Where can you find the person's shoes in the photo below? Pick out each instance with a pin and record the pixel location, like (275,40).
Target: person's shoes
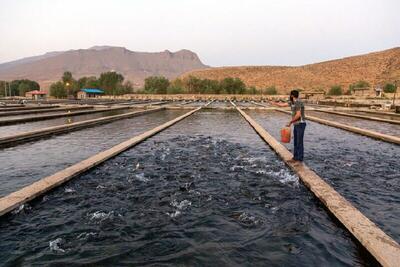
(293,160)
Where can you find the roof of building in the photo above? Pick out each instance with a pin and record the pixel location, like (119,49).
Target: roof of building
(37,92)
(93,90)
(361,89)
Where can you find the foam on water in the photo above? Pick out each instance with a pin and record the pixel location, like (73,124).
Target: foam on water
(100,216)
(54,245)
(174,214)
(141,177)
(69,190)
(21,208)
(184,204)
(284,177)
(86,235)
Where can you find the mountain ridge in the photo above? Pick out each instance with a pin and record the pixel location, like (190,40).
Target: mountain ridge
(135,66)
(375,67)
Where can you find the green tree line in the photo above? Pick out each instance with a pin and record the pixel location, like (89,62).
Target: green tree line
(337,90)
(194,85)
(111,82)
(18,87)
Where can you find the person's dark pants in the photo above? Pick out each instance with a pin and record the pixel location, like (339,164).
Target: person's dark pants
(298,137)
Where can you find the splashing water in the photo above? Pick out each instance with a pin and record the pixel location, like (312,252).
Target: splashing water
(142,178)
(55,245)
(69,190)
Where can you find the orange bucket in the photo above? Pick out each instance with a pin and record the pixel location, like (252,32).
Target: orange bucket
(285,135)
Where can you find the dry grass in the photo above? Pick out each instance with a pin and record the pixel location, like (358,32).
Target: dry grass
(375,68)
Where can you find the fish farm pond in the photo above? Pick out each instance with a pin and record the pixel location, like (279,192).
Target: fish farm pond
(206,191)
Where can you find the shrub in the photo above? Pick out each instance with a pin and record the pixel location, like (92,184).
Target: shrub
(335,90)
(174,90)
(233,86)
(270,91)
(58,90)
(389,88)
(156,85)
(251,90)
(359,84)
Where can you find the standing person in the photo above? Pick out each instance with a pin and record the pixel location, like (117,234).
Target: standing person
(299,122)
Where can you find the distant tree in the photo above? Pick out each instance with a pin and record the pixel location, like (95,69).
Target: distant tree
(23,88)
(81,82)
(251,90)
(193,85)
(25,85)
(389,88)
(176,87)
(335,90)
(174,90)
(92,82)
(67,77)
(156,85)
(270,91)
(126,88)
(359,84)
(2,88)
(58,90)
(210,87)
(109,81)
(233,86)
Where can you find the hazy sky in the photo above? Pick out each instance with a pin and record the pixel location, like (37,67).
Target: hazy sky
(222,32)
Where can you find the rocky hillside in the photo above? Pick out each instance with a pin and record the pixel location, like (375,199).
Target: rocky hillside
(376,68)
(135,66)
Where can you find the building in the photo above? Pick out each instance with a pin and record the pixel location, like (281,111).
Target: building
(378,92)
(89,93)
(364,91)
(316,95)
(36,95)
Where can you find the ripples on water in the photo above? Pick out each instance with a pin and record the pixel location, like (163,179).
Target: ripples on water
(31,126)
(26,163)
(380,127)
(182,199)
(365,171)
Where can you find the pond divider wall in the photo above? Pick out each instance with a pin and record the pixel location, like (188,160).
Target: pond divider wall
(369,133)
(54,116)
(386,113)
(359,116)
(21,108)
(385,250)
(13,113)
(32,135)
(14,200)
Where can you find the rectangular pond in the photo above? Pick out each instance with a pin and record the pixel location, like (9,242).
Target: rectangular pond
(205,192)
(25,163)
(363,170)
(37,125)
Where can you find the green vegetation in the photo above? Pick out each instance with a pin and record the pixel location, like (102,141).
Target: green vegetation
(156,85)
(389,88)
(251,90)
(233,86)
(58,90)
(270,91)
(194,85)
(18,87)
(335,90)
(359,84)
(111,82)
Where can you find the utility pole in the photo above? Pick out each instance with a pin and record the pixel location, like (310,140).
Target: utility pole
(5,89)
(396,84)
